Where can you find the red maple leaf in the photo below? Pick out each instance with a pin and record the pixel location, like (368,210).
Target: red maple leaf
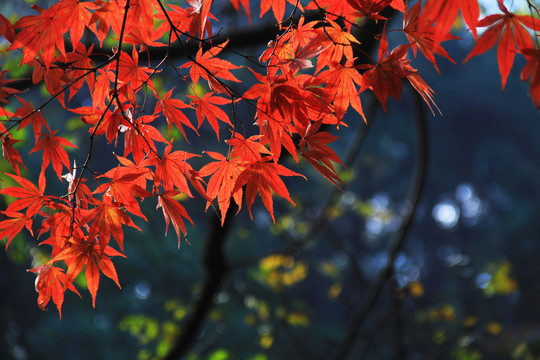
(27,194)
(173,212)
(372,8)
(341,81)
(106,219)
(110,14)
(444,13)
(207,109)
(6,91)
(314,148)
(6,29)
(28,116)
(208,66)
(14,224)
(83,251)
(124,187)
(53,152)
(384,78)
(510,30)
(173,114)
(222,183)
(421,35)
(531,72)
(130,72)
(40,33)
(76,16)
(249,149)
(11,154)
(263,177)
(80,68)
(140,137)
(51,282)
(277,6)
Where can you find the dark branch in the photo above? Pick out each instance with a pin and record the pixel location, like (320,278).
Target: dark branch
(397,242)
(215,264)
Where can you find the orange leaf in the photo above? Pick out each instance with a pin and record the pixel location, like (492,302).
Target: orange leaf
(51,282)
(531,72)
(83,251)
(222,183)
(14,225)
(40,33)
(262,177)
(173,212)
(509,29)
(53,152)
(28,195)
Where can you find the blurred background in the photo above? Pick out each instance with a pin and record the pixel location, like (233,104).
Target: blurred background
(463,285)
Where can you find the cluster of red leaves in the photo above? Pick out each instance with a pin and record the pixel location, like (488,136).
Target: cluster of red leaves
(312,78)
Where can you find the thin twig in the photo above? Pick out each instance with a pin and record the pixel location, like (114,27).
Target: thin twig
(397,242)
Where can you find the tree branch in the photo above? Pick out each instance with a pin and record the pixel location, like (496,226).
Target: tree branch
(397,243)
(215,264)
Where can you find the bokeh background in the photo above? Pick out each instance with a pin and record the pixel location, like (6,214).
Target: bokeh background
(464,285)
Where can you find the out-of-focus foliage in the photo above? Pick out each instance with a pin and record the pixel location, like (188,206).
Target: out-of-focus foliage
(463,287)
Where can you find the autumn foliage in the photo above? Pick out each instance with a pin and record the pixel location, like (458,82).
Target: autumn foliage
(302,85)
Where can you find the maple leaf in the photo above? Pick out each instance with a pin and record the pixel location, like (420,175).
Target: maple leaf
(140,137)
(372,8)
(106,220)
(335,10)
(130,71)
(384,78)
(531,72)
(82,251)
(76,16)
(245,5)
(40,33)
(172,170)
(421,35)
(124,187)
(249,149)
(61,224)
(80,65)
(78,192)
(424,90)
(299,59)
(14,225)
(28,116)
(277,6)
(339,44)
(262,177)
(53,152)
(28,195)
(5,91)
(320,155)
(198,14)
(211,68)
(11,154)
(510,30)
(51,282)
(342,81)
(109,14)
(173,114)
(6,29)
(207,109)
(444,13)
(222,183)
(173,212)
(278,96)
(141,15)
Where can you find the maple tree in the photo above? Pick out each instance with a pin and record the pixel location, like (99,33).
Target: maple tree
(305,82)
